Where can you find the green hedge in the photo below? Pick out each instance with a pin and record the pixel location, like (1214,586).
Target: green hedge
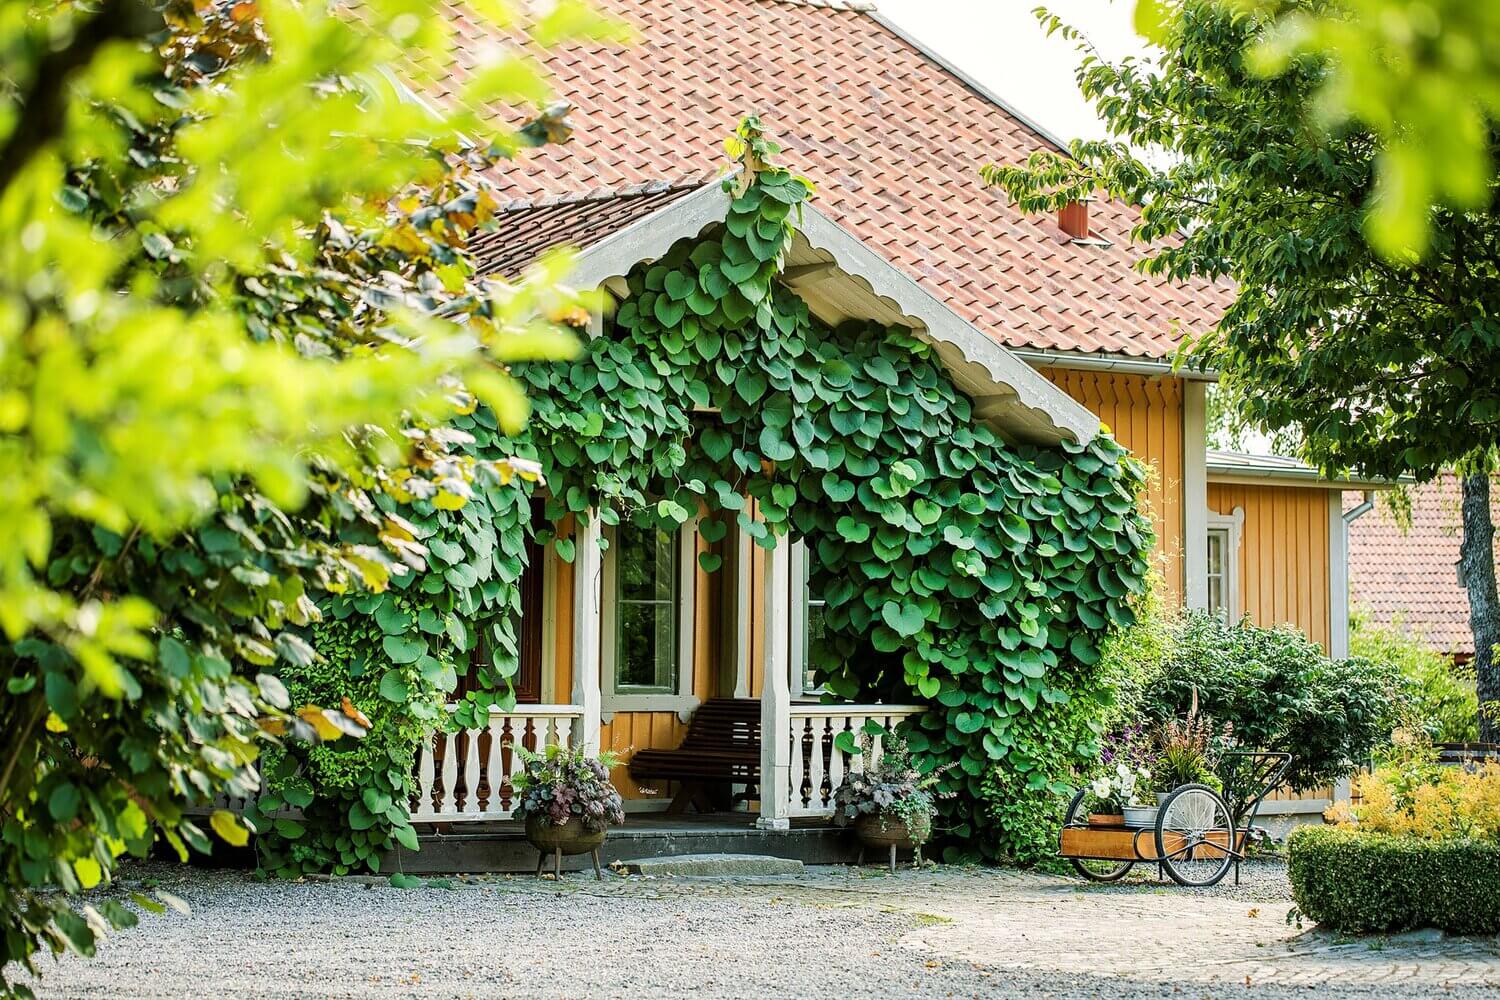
(1354,881)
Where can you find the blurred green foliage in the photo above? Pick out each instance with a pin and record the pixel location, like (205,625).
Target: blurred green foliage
(1422,75)
(236,310)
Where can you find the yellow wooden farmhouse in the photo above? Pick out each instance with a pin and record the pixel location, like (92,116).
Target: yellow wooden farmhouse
(1041,321)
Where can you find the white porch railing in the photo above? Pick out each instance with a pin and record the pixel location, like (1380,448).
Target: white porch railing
(469,774)
(818,766)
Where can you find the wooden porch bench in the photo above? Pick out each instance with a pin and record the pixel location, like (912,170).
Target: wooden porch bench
(721,748)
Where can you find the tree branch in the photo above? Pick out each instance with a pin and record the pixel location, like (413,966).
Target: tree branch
(43,103)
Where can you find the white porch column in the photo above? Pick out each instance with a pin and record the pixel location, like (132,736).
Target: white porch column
(1194,494)
(744,563)
(588,626)
(776,692)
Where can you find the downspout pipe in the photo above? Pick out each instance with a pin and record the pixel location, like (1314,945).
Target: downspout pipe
(1360,510)
(1342,789)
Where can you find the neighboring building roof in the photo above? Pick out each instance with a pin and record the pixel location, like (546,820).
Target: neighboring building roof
(893,140)
(1234,466)
(1410,578)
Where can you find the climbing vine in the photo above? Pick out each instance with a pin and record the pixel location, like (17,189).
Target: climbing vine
(975,575)
(398,654)
(960,570)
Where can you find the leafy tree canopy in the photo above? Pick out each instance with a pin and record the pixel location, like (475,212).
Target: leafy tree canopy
(1386,367)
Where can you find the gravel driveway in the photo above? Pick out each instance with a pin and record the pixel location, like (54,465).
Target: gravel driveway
(941,932)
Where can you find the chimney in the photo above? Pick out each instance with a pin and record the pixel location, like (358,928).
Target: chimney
(1074,219)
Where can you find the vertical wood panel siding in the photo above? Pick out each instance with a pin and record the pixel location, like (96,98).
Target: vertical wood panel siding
(1145,414)
(1283,559)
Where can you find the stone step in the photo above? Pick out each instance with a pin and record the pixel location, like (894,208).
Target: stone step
(712,865)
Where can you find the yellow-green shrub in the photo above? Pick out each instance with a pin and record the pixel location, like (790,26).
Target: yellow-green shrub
(1455,804)
(1410,794)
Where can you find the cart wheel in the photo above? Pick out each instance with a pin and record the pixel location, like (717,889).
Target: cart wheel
(1094,871)
(1195,836)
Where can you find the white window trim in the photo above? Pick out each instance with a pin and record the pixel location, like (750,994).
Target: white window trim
(1233,524)
(798,567)
(684,701)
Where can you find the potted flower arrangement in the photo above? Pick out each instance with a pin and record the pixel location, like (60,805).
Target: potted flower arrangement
(889,803)
(1117,794)
(1143,766)
(567,802)
(1121,794)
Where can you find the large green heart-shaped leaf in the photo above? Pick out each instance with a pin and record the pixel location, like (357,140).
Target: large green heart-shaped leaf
(403,648)
(906,619)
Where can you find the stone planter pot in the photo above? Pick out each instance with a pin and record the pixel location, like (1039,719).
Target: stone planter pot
(1106,819)
(570,838)
(878,831)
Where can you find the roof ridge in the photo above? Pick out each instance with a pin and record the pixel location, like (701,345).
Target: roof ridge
(607,193)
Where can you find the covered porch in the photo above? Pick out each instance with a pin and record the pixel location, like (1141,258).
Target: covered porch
(465,778)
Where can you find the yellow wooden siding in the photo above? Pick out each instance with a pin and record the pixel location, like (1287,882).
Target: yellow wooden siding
(1283,558)
(1145,414)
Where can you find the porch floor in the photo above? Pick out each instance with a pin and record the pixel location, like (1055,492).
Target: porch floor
(500,846)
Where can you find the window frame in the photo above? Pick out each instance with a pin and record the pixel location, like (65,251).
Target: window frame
(802,601)
(1232,527)
(682,700)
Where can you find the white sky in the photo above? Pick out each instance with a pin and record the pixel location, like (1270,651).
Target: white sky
(1000,44)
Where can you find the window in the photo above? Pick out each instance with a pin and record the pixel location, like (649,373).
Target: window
(648,613)
(1222,570)
(813,633)
(1218,579)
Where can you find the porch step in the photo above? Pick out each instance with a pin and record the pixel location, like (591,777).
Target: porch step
(699,865)
(502,846)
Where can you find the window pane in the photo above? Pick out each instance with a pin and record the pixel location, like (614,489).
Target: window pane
(1216,596)
(646,647)
(647,566)
(815,634)
(1218,570)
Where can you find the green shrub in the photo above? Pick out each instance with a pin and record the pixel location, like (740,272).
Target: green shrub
(1440,697)
(1353,881)
(1279,691)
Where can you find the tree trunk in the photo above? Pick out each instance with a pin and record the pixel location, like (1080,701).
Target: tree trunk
(1476,567)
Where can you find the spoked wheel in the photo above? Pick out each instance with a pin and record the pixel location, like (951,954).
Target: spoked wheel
(1084,803)
(1195,837)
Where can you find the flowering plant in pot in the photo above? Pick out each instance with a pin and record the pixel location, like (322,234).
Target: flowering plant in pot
(1117,790)
(888,802)
(567,802)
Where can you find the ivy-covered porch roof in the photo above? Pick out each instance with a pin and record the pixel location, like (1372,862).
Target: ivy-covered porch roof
(837,275)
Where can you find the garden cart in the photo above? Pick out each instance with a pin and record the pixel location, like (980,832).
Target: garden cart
(1194,834)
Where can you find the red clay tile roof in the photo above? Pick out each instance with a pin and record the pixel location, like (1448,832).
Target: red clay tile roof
(893,141)
(1412,577)
(527,229)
